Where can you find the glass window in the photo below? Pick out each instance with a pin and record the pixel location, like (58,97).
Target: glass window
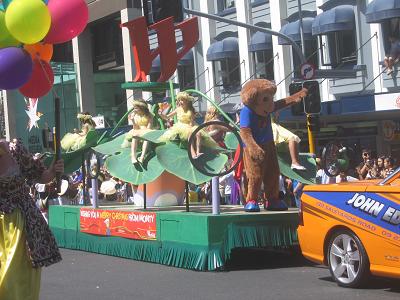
(340,49)
(225,4)
(264,64)
(63,53)
(227,73)
(156,97)
(107,45)
(310,53)
(186,77)
(390,29)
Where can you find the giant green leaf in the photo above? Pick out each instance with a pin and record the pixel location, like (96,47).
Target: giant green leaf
(111,147)
(152,136)
(72,160)
(231,142)
(176,161)
(119,165)
(307,160)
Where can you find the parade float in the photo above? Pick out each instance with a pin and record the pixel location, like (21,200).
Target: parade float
(182,236)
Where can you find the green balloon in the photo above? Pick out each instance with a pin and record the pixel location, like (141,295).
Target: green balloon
(28,21)
(6,39)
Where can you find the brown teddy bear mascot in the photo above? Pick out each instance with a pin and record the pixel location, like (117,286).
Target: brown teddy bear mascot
(260,157)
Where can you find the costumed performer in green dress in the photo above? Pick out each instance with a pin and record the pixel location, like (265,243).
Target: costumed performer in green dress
(73,141)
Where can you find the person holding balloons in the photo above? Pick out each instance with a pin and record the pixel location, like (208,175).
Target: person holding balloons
(26,242)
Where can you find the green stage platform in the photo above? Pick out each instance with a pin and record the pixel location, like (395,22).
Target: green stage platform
(194,240)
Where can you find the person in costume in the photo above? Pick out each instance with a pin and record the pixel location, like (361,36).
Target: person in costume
(282,135)
(185,125)
(73,141)
(215,131)
(260,156)
(26,242)
(142,122)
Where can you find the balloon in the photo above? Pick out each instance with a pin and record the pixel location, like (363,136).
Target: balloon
(40,51)
(28,20)
(68,20)
(5,3)
(6,39)
(41,81)
(15,68)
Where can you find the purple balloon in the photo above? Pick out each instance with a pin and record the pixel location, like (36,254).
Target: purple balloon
(15,68)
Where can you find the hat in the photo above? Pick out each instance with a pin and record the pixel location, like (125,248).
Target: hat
(64,187)
(108,187)
(139,103)
(84,117)
(184,96)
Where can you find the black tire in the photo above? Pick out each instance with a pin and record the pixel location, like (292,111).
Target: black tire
(347,259)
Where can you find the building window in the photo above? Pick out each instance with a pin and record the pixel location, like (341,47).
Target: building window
(342,49)
(63,53)
(227,73)
(225,4)
(390,29)
(263,64)
(156,97)
(186,77)
(107,50)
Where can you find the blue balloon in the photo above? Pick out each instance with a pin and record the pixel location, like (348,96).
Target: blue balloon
(15,68)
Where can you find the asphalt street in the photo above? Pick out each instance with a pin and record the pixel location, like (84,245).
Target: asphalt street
(251,274)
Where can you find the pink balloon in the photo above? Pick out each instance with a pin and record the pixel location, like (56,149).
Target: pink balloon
(68,20)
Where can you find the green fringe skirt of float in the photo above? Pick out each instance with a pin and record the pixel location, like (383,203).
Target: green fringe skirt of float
(206,250)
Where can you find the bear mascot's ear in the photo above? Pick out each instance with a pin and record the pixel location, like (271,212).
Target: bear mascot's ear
(254,88)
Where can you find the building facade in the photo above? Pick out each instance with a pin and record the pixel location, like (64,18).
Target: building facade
(346,40)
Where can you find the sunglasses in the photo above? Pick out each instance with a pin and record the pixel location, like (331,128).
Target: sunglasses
(366,154)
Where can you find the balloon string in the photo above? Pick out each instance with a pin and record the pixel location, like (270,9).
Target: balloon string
(47,76)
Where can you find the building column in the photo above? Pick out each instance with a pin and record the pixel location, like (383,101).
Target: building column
(82,52)
(282,64)
(9,102)
(129,14)
(207,34)
(243,14)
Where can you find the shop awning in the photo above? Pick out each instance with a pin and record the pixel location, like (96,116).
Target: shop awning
(380,10)
(186,60)
(260,41)
(292,30)
(339,18)
(227,48)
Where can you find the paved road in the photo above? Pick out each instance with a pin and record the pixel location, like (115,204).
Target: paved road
(252,274)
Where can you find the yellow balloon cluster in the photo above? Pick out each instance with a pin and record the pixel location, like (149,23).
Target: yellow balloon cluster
(26,21)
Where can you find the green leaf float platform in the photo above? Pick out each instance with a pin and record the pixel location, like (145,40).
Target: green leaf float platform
(196,240)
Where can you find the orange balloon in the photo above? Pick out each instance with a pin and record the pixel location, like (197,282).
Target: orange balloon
(40,51)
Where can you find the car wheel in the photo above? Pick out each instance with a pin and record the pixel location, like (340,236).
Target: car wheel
(347,259)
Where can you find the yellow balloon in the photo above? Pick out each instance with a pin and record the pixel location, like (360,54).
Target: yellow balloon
(28,21)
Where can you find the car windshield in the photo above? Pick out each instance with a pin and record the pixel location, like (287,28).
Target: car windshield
(391,177)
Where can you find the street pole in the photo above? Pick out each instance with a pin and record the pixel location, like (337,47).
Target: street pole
(311,144)
(296,47)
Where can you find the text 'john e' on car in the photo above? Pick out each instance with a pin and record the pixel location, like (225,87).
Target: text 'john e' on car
(353,227)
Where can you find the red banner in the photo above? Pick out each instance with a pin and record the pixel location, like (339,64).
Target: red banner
(132,225)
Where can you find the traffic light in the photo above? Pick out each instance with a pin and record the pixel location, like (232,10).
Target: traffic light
(157,10)
(312,102)
(298,108)
(313,122)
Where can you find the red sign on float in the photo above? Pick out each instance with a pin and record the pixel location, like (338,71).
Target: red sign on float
(131,225)
(169,55)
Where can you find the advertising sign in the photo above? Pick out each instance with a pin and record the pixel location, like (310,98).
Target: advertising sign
(128,224)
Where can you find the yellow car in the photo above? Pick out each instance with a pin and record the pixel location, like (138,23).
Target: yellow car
(353,227)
